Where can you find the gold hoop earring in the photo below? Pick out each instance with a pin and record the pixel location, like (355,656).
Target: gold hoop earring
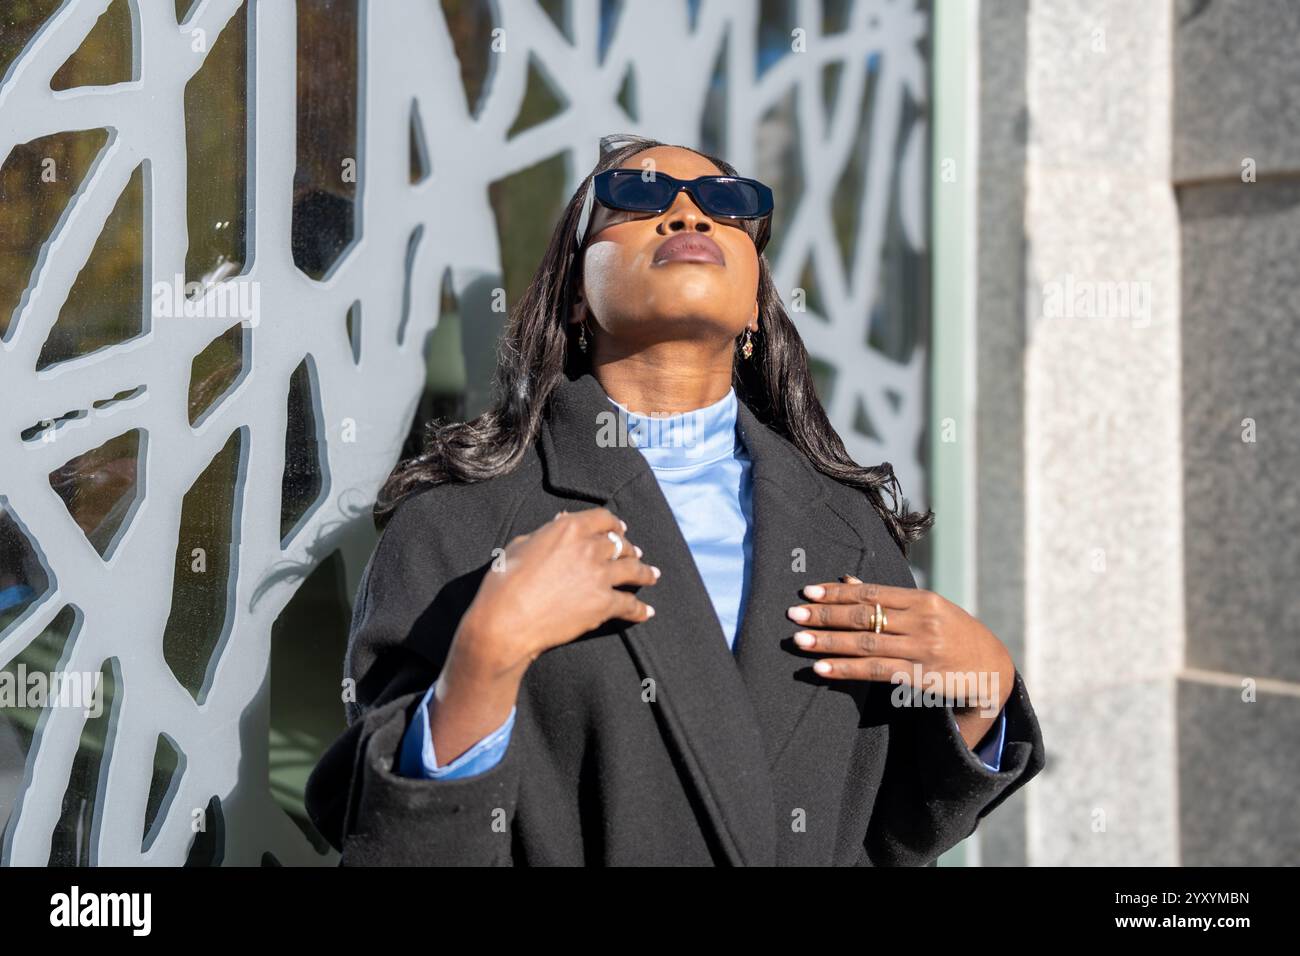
(748,348)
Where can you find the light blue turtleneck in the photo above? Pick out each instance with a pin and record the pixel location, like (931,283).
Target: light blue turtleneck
(705,474)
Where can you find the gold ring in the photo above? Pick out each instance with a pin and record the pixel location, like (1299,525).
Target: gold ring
(878,618)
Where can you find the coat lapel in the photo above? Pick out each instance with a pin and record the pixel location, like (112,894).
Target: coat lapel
(728,716)
(798,540)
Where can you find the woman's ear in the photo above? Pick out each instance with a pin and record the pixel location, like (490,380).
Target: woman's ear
(578,312)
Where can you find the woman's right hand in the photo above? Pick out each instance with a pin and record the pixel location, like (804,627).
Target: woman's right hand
(553,585)
(547,588)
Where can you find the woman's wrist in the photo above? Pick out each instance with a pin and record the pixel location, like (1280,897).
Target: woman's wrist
(473,695)
(482,657)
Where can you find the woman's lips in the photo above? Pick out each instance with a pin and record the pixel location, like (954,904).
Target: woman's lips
(689,247)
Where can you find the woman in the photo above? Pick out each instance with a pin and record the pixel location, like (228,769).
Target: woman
(583,640)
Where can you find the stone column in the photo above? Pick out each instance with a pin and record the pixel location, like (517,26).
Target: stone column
(1080,459)
(1237,168)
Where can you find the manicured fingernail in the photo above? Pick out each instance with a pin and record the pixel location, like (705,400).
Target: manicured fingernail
(814,591)
(649,611)
(623,523)
(797,613)
(804,639)
(656,571)
(638,550)
(821,667)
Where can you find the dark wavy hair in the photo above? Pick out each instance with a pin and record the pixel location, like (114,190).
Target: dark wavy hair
(538,350)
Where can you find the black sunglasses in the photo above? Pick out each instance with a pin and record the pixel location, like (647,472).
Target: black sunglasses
(735,198)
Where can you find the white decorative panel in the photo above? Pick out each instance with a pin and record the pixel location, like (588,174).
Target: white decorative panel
(364,391)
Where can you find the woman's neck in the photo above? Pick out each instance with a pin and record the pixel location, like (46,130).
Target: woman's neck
(652,389)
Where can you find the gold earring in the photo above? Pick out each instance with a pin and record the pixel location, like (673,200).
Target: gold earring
(748,348)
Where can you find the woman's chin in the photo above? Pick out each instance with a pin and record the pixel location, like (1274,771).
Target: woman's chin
(706,304)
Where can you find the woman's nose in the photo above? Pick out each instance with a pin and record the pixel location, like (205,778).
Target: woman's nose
(684,214)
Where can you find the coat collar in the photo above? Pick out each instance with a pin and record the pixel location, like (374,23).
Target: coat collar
(729,716)
(579,462)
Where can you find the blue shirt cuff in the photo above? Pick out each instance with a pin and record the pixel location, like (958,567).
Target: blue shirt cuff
(418,759)
(989,749)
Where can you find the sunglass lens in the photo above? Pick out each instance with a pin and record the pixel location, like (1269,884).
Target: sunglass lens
(630,191)
(730,198)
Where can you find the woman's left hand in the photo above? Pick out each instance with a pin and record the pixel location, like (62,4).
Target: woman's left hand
(923,634)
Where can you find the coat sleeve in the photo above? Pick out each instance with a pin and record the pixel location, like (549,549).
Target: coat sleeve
(422,576)
(935,790)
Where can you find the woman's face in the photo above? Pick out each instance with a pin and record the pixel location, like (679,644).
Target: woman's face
(641,292)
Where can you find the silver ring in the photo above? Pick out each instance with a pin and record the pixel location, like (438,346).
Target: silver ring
(618,545)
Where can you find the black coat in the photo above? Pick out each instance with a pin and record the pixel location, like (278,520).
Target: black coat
(744,759)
